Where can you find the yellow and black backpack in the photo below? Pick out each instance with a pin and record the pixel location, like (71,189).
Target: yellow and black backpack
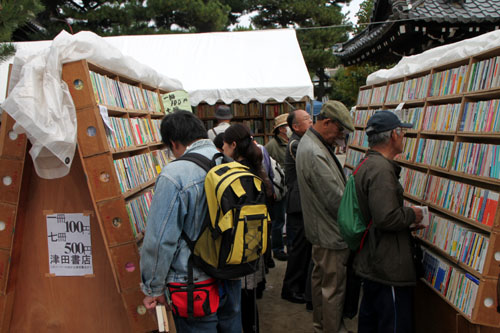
(234,233)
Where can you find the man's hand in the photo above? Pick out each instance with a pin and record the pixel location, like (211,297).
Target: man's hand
(150,302)
(418,213)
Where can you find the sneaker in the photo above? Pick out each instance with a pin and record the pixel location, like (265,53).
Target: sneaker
(280,255)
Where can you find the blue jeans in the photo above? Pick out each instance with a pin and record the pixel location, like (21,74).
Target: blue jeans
(277,213)
(227,319)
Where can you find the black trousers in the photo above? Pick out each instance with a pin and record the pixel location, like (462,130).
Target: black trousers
(298,258)
(249,311)
(385,308)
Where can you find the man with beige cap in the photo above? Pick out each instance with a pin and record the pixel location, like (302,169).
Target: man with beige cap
(321,182)
(277,150)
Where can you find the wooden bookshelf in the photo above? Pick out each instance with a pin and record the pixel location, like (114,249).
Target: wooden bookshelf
(455,144)
(110,300)
(259,117)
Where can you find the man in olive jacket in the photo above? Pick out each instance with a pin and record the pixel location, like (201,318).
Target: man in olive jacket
(385,262)
(321,182)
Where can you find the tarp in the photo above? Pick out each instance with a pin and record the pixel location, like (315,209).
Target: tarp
(225,66)
(437,56)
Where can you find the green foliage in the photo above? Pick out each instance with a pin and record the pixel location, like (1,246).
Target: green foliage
(14,13)
(363,15)
(347,80)
(315,43)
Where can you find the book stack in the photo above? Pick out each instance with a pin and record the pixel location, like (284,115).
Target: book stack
(409,144)
(273,110)
(413,182)
(477,159)
(358,138)
(205,111)
(134,171)
(395,92)
(448,82)
(353,157)
(160,158)
(441,118)
(152,101)
(155,129)
(459,288)
(361,117)
(256,126)
(459,241)
(142,131)
(481,116)
(364,97)
(434,152)
(121,136)
(470,201)
(416,88)
(137,209)
(106,90)
(413,116)
(132,97)
(378,95)
(485,74)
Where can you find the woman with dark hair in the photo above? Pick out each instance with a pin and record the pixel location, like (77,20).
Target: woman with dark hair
(239,145)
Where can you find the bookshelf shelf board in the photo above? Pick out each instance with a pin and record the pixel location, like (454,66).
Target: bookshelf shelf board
(412,131)
(412,197)
(434,167)
(131,192)
(349,166)
(455,261)
(491,93)
(459,217)
(391,104)
(414,102)
(155,144)
(456,98)
(362,106)
(157,115)
(436,133)
(376,105)
(360,127)
(492,135)
(124,150)
(486,180)
(138,112)
(402,160)
(115,111)
(148,184)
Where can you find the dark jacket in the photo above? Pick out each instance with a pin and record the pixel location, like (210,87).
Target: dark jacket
(293,195)
(277,148)
(387,254)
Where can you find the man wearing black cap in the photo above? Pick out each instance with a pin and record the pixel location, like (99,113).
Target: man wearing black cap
(321,183)
(223,115)
(386,260)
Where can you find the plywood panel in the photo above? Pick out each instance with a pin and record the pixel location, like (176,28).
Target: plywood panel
(62,304)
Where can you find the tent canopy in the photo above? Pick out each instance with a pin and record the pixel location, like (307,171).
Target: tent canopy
(222,66)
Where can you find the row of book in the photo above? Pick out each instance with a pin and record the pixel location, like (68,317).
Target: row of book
(257,126)
(481,116)
(152,101)
(358,138)
(115,93)
(361,117)
(458,287)
(458,240)
(378,95)
(477,159)
(137,170)
(127,132)
(353,157)
(273,110)
(251,109)
(434,152)
(395,92)
(448,82)
(138,209)
(470,201)
(416,88)
(413,116)
(484,74)
(413,182)
(364,97)
(441,118)
(409,145)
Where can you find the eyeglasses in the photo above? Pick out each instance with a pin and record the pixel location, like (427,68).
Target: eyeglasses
(400,130)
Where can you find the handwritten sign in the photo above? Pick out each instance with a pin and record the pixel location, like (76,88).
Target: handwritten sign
(70,247)
(176,100)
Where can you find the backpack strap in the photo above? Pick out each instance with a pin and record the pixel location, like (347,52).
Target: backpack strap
(359,165)
(290,148)
(202,161)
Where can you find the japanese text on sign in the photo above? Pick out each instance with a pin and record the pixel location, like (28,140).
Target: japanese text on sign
(70,247)
(176,100)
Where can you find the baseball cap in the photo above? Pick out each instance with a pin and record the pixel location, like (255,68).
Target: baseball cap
(335,110)
(384,120)
(223,112)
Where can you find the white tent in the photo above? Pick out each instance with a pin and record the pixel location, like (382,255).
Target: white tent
(224,66)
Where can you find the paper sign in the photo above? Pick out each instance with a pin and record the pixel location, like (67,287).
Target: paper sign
(70,247)
(398,109)
(426,218)
(105,118)
(176,100)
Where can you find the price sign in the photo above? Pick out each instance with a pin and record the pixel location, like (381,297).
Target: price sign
(176,100)
(70,247)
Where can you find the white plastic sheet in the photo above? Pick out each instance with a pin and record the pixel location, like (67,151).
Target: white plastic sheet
(437,56)
(40,102)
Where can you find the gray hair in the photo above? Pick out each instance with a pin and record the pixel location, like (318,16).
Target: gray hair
(377,139)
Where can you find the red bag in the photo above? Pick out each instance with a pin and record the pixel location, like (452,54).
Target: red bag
(194,300)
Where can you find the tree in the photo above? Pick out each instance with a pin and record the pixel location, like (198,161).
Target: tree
(12,15)
(308,17)
(363,15)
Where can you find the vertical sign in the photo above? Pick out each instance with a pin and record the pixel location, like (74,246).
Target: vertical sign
(70,248)
(176,100)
